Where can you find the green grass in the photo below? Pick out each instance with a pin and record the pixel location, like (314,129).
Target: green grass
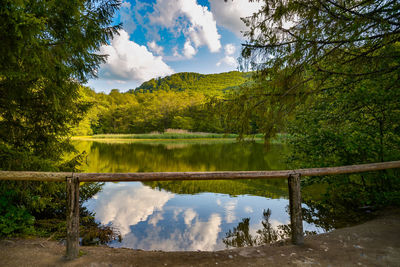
(165,136)
(279,139)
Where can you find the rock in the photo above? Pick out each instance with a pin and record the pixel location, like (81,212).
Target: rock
(245,253)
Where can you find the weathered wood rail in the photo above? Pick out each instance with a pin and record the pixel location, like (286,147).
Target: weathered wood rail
(73,179)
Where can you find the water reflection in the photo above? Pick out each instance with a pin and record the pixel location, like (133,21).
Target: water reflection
(159,220)
(192,155)
(123,205)
(178,156)
(270,232)
(188,215)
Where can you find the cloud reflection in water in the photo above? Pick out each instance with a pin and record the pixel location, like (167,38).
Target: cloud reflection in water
(126,204)
(158,220)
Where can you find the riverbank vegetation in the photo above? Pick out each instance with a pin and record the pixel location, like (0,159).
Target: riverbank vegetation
(182,134)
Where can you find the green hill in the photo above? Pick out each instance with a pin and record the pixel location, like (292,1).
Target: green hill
(195,81)
(179,101)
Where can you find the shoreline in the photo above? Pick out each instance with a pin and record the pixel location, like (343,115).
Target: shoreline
(375,242)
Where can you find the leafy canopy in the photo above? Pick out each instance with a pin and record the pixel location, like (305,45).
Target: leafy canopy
(48,48)
(327,72)
(301,48)
(321,36)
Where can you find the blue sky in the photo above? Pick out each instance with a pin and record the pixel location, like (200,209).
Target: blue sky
(162,37)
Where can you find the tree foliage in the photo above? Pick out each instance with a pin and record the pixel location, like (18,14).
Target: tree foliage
(320,36)
(48,48)
(303,48)
(180,101)
(327,73)
(334,65)
(195,81)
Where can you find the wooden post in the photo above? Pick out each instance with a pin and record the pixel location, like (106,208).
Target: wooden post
(72,217)
(296,219)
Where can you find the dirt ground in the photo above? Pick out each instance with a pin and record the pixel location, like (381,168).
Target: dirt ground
(374,243)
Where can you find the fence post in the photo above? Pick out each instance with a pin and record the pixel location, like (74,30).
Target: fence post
(296,219)
(72,217)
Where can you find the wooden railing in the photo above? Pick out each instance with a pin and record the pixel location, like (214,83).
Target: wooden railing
(73,179)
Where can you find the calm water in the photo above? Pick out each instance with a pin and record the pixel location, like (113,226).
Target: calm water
(188,215)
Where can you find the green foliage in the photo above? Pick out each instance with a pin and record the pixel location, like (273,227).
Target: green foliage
(191,155)
(240,235)
(300,49)
(168,134)
(14,220)
(179,101)
(260,106)
(269,189)
(48,48)
(206,83)
(333,86)
(316,36)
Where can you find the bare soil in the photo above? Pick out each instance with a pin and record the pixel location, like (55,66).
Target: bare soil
(374,243)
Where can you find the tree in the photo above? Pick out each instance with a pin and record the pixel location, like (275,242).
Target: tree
(327,73)
(48,48)
(324,52)
(300,48)
(320,36)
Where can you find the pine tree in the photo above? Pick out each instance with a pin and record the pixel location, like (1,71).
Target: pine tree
(48,48)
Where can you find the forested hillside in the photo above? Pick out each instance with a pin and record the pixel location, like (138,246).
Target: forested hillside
(180,101)
(195,81)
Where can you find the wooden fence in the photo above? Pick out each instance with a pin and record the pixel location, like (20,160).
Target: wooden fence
(73,179)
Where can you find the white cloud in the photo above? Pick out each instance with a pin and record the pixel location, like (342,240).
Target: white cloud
(159,50)
(196,23)
(228,13)
(228,60)
(188,50)
(230,49)
(126,205)
(189,215)
(197,235)
(248,209)
(155,218)
(204,234)
(129,61)
(230,207)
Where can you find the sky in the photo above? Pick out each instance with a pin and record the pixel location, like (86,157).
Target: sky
(163,37)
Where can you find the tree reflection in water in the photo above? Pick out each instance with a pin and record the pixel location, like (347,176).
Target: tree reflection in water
(240,236)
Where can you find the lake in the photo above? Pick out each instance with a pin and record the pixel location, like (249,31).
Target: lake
(190,215)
